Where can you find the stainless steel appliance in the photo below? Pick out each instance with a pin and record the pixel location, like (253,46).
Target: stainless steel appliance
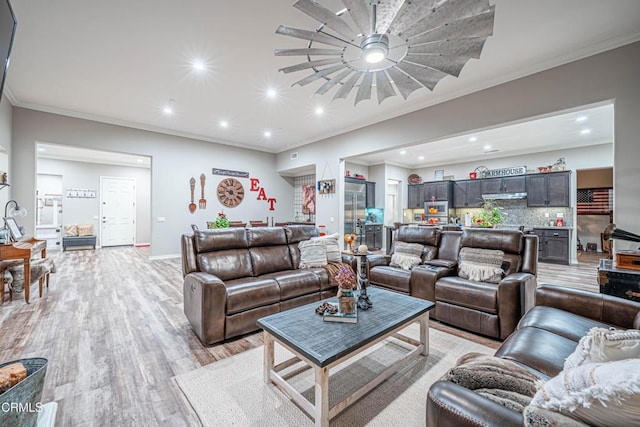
(437,213)
(355,195)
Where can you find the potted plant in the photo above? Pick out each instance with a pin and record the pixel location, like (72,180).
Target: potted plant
(490,214)
(346,286)
(220,222)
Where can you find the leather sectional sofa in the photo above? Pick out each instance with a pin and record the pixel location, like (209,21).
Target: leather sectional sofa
(485,308)
(234,276)
(545,337)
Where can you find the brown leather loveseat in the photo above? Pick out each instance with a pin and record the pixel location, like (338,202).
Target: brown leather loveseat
(491,309)
(545,337)
(234,276)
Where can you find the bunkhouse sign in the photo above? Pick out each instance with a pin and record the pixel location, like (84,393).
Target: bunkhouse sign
(510,171)
(226,172)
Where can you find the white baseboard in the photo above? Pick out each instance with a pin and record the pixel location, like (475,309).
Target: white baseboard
(156,257)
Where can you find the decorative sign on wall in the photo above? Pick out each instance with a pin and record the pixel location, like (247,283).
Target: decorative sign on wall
(226,172)
(262,194)
(327,186)
(81,193)
(510,171)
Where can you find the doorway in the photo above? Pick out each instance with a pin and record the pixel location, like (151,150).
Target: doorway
(117,211)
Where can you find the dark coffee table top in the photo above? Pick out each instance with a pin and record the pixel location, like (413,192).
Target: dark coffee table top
(325,342)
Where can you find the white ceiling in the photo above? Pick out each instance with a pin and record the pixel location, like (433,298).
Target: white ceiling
(121,61)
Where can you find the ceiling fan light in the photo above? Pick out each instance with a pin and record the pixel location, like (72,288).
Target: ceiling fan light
(375,48)
(374,55)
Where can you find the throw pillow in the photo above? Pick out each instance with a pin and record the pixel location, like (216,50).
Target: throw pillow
(599,394)
(85,230)
(313,253)
(70,230)
(332,247)
(605,345)
(478,371)
(481,265)
(406,255)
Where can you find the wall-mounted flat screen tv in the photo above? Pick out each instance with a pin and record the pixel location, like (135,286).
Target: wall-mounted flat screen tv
(8,25)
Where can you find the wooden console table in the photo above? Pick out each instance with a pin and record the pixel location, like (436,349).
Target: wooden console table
(24,250)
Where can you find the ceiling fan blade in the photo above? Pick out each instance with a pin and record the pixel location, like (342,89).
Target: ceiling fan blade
(310,51)
(470,48)
(405,84)
(386,12)
(333,81)
(450,10)
(326,17)
(384,89)
(364,91)
(428,77)
(475,26)
(345,88)
(311,35)
(451,65)
(318,75)
(310,64)
(360,12)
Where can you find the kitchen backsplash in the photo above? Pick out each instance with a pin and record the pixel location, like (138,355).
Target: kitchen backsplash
(516,212)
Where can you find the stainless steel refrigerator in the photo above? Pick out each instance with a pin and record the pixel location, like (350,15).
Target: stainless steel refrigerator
(354,209)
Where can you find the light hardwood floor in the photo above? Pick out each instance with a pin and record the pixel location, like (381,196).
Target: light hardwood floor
(113,330)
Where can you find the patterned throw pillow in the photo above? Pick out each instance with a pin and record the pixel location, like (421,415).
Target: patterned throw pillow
(605,345)
(481,265)
(85,230)
(333,248)
(313,253)
(406,255)
(70,230)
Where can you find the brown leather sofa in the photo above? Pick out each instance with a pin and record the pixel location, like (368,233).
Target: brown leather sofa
(485,308)
(545,336)
(234,276)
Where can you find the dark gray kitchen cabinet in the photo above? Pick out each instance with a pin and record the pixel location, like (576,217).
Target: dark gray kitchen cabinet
(549,189)
(467,194)
(508,184)
(553,245)
(371,194)
(373,236)
(415,196)
(441,191)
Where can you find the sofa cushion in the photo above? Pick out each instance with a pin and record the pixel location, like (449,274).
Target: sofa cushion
(482,265)
(559,322)
(226,264)
(266,236)
(267,259)
(391,277)
(508,241)
(294,283)
(220,239)
(477,295)
(323,277)
(423,235)
(605,345)
(406,255)
(251,292)
(599,394)
(313,253)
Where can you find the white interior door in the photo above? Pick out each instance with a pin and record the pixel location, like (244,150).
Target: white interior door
(118,206)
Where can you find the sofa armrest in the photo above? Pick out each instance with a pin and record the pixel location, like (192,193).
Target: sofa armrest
(513,301)
(603,308)
(205,301)
(376,260)
(450,404)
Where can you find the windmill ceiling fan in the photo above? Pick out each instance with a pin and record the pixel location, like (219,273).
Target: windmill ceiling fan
(405,44)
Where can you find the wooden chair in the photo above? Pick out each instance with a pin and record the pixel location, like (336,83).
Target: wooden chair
(239,224)
(258,224)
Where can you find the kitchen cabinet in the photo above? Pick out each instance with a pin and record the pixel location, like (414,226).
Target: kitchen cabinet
(373,236)
(548,189)
(507,184)
(371,194)
(467,194)
(440,191)
(553,245)
(415,196)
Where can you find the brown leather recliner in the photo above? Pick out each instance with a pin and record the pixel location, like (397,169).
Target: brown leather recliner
(545,337)
(234,276)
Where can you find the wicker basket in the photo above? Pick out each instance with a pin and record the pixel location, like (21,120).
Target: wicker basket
(19,406)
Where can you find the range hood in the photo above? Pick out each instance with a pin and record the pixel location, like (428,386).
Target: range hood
(504,196)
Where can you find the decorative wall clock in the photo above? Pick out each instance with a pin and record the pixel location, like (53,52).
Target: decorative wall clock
(230,192)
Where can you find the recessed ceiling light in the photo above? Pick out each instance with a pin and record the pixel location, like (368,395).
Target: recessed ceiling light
(319,111)
(271,93)
(224,123)
(487,147)
(267,134)
(420,157)
(198,65)
(168,109)
(403,152)
(581,119)
(585,131)
(473,139)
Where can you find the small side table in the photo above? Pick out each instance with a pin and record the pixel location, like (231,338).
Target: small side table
(619,282)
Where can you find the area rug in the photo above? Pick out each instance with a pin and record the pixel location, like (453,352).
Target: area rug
(232,391)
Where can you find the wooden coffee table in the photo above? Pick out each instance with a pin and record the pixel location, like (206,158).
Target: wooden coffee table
(323,345)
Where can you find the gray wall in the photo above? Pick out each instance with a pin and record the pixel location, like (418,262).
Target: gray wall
(87,175)
(5,147)
(174,161)
(609,76)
